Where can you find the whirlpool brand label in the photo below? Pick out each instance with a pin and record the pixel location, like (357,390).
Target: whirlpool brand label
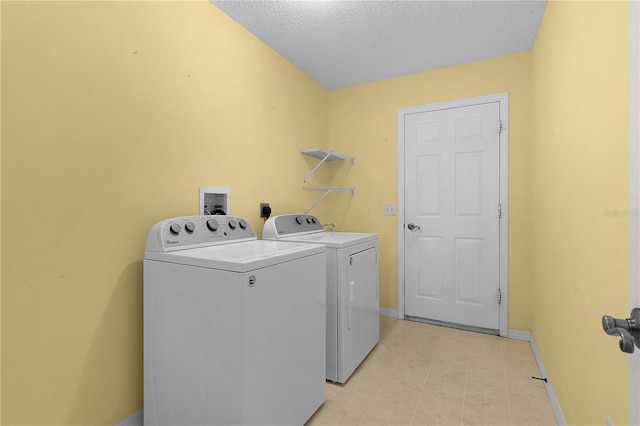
(169,242)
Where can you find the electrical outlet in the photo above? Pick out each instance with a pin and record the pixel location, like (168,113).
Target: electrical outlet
(389,209)
(265,210)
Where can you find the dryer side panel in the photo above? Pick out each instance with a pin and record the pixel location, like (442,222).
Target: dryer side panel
(332,315)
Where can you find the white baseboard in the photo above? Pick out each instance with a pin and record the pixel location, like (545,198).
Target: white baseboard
(136,419)
(528,337)
(391,313)
(519,335)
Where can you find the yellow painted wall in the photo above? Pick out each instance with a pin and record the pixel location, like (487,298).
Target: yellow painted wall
(0,219)
(580,189)
(363,122)
(114,113)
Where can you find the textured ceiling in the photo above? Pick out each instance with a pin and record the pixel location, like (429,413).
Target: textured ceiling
(344,43)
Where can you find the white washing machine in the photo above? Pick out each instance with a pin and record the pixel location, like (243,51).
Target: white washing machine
(234,327)
(353,323)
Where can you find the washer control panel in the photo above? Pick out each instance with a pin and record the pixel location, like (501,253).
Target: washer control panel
(187,232)
(290,224)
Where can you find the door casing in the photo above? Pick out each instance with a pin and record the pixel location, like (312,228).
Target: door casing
(634,198)
(503,99)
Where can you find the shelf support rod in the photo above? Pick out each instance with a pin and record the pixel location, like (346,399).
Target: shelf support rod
(318,201)
(316,168)
(327,190)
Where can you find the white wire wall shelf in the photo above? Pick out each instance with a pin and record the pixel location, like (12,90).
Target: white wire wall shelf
(325,155)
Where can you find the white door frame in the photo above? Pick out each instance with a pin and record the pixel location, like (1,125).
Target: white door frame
(634,198)
(503,98)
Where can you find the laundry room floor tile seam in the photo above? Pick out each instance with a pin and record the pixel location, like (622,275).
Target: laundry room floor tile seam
(421,374)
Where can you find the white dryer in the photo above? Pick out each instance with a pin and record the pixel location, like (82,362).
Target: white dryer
(353,323)
(234,327)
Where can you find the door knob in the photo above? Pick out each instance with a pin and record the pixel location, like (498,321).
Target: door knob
(412,226)
(628,330)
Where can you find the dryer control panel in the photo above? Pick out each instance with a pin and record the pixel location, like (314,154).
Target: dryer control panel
(188,232)
(291,224)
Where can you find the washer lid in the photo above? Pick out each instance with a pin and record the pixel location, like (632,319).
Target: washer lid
(239,257)
(333,239)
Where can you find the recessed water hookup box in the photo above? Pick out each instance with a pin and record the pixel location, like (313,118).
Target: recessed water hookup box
(214,200)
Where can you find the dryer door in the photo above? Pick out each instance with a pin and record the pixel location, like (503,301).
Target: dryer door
(362,286)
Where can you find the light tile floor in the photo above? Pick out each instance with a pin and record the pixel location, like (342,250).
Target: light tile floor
(421,374)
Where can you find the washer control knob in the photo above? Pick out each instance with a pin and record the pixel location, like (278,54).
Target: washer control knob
(175,228)
(190,227)
(313,220)
(309,220)
(233,224)
(298,220)
(212,224)
(243,224)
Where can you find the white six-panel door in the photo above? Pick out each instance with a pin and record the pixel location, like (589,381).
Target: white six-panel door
(452,202)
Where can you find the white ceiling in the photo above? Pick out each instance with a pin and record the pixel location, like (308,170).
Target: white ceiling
(343,43)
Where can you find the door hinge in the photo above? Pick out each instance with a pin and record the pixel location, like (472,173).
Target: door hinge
(499,296)
(499,211)
(500,128)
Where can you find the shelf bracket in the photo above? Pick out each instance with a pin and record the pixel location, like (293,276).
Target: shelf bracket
(316,167)
(324,155)
(327,190)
